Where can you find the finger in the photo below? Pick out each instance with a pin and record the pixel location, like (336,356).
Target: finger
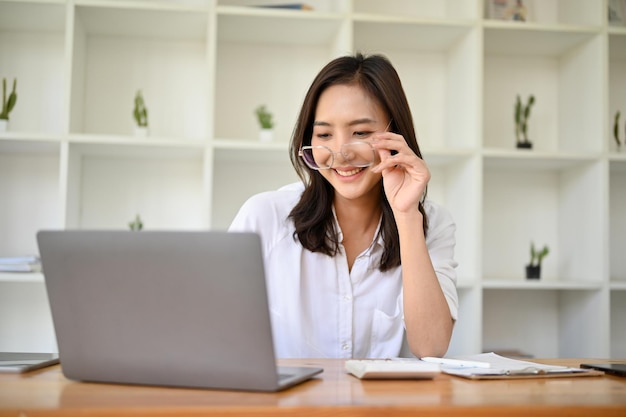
(393,144)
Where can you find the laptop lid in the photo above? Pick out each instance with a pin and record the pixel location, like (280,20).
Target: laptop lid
(182,309)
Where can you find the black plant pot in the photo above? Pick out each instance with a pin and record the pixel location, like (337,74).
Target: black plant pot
(533,271)
(524,145)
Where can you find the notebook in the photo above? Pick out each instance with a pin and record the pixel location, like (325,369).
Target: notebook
(22,362)
(184,309)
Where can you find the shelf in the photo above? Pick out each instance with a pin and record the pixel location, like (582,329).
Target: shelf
(423,10)
(15,143)
(162,52)
(617,219)
(442,157)
(439,65)
(542,284)
(247,144)
(560,13)
(231,189)
(71,160)
(268,26)
(21,277)
(511,39)
(29,186)
(617,329)
(543,206)
(529,160)
(24,16)
(103,143)
(528,321)
(164,185)
(32,51)
(146,20)
(257,6)
(374,34)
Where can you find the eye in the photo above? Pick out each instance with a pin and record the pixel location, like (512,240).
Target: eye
(322,135)
(363,134)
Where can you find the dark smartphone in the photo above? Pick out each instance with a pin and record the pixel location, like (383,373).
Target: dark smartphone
(618,369)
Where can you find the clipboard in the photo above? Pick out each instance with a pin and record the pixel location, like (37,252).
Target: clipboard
(501,367)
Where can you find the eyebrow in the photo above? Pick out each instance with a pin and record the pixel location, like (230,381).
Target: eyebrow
(352,123)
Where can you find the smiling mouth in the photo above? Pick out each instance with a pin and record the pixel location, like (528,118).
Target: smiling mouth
(349,173)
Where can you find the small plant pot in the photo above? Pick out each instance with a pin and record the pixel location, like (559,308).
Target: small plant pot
(4,125)
(141,131)
(524,145)
(266,135)
(533,271)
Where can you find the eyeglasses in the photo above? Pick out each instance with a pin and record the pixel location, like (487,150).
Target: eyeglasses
(357,154)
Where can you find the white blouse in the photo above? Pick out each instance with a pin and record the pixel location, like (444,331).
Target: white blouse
(318,308)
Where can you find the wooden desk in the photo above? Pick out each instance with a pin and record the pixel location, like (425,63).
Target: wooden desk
(47,393)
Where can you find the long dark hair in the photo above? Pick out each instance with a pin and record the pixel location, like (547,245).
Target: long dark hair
(313,216)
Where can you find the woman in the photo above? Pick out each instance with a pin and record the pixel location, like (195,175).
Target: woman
(355,256)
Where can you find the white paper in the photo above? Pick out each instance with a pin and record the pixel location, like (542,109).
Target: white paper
(505,366)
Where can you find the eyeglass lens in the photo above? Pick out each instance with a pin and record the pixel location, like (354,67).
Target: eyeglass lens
(357,154)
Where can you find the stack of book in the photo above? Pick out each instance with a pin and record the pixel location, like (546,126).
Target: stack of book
(30,263)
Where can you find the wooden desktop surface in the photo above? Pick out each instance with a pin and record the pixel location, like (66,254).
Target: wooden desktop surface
(47,392)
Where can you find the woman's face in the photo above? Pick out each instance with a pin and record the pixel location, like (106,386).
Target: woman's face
(346,114)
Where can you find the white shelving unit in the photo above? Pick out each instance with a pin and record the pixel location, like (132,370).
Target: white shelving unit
(70,158)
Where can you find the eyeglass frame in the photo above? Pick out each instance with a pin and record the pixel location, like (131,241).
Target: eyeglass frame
(341,151)
(332,155)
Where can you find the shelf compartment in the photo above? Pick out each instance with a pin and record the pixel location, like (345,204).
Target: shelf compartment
(163,53)
(466,336)
(534,202)
(439,69)
(254,6)
(618,331)
(252,64)
(234,180)
(455,185)
(26,324)
(617,88)
(559,69)
(420,9)
(32,50)
(546,323)
(265,26)
(560,12)
(29,186)
(109,184)
(617,219)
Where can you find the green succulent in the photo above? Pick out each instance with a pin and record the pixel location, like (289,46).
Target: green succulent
(8,103)
(264,117)
(140,112)
(537,256)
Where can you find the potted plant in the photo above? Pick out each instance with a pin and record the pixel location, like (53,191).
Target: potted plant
(7,103)
(533,269)
(522,112)
(140,114)
(266,123)
(136,225)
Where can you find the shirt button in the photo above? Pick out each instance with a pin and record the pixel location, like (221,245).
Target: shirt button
(346,298)
(345,346)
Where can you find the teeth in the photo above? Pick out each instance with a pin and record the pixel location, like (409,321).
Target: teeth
(349,173)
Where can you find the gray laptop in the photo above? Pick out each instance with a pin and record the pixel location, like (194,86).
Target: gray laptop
(185,309)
